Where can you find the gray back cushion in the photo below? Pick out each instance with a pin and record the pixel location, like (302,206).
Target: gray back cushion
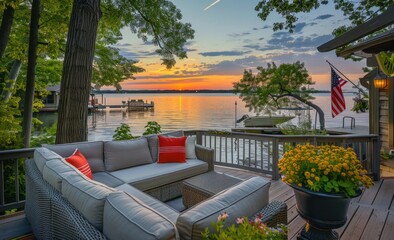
(127,217)
(153,142)
(125,154)
(42,156)
(87,197)
(244,199)
(55,171)
(191,147)
(93,152)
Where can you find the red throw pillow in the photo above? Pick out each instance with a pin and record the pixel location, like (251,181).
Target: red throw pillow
(172,149)
(79,161)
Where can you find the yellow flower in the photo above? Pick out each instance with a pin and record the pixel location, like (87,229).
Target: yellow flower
(310,182)
(306,165)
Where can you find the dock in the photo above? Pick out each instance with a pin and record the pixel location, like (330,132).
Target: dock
(129,105)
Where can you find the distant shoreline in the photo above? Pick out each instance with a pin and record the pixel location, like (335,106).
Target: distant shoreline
(178,91)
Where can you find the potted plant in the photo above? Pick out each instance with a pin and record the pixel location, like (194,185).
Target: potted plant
(324,179)
(244,229)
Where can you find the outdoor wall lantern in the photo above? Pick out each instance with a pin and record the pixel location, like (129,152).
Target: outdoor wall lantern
(380,80)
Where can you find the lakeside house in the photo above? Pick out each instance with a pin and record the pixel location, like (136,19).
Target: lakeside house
(380,86)
(51,101)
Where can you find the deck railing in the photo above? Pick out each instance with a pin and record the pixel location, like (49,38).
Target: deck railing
(255,152)
(12,177)
(261,152)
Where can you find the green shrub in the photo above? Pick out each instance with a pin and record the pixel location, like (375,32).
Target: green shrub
(122,132)
(152,128)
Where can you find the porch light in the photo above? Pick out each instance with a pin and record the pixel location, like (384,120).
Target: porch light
(380,81)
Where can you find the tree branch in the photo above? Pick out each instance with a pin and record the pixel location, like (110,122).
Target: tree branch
(152,26)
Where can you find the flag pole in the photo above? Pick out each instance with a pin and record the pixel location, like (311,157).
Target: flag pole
(360,89)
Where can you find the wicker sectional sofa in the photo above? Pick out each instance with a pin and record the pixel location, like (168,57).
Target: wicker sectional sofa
(126,198)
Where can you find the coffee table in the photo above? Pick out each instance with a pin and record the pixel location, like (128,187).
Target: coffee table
(201,187)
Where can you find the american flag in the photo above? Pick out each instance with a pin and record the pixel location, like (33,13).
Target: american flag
(337,100)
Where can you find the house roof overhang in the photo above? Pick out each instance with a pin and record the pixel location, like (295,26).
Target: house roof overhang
(383,20)
(379,43)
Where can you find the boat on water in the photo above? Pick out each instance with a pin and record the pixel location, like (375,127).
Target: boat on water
(264,121)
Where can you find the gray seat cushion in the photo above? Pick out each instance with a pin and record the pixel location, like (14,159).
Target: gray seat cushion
(158,174)
(153,203)
(127,217)
(107,179)
(244,199)
(125,154)
(87,197)
(93,152)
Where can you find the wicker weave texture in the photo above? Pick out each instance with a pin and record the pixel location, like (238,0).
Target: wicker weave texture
(38,202)
(207,155)
(68,223)
(49,214)
(192,196)
(166,192)
(273,214)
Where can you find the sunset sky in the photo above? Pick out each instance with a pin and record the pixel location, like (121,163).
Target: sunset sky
(229,37)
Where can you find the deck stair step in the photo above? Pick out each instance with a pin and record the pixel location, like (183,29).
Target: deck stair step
(387,168)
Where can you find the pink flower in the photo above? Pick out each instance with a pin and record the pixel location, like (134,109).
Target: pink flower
(240,220)
(262,226)
(222,216)
(257,220)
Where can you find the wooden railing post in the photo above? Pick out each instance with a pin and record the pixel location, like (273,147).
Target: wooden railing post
(376,158)
(275,159)
(199,137)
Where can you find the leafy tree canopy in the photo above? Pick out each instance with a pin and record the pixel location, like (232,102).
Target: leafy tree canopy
(276,86)
(356,11)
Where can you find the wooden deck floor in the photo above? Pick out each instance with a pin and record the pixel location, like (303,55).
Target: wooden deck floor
(370,216)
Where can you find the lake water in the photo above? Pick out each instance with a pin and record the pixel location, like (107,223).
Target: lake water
(194,111)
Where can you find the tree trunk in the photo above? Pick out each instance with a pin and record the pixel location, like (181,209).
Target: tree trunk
(77,72)
(31,72)
(314,106)
(5,28)
(13,75)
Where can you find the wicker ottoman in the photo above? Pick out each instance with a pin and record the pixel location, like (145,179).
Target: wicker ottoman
(204,186)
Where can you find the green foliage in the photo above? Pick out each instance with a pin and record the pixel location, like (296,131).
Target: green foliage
(244,229)
(384,156)
(303,129)
(10,124)
(122,132)
(111,68)
(274,86)
(152,128)
(44,136)
(158,22)
(356,11)
(360,103)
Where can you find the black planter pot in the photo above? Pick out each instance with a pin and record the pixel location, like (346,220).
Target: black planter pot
(322,211)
